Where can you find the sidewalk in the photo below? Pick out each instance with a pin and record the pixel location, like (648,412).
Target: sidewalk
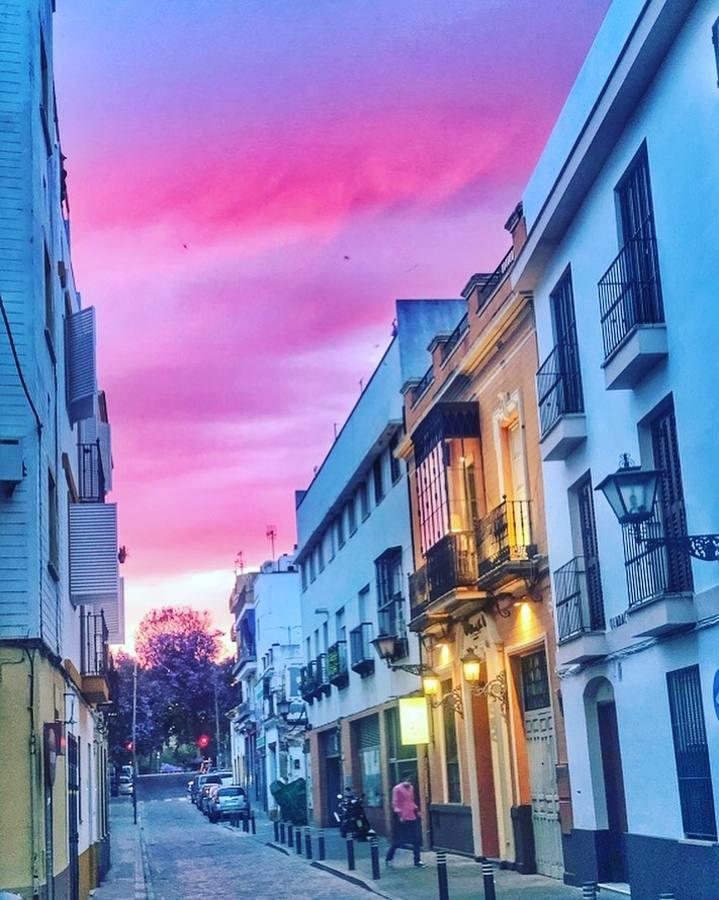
(405,882)
(125,880)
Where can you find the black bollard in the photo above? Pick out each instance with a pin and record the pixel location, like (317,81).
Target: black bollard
(290,836)
(321,844)
(245,824)
(298,841)
(589,890)
(350,853)
(442,884)
(283,839)
(276,828)
(374,853)
(253,824)
(308,843)
(488,875)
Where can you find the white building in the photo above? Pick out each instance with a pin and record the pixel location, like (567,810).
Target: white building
(622,214)
(58,536)
(355,557)
(267,747)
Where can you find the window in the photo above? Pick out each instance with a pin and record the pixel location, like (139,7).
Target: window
(303,571)
(691,754)
(352,515)
(363,495)
(451,750)
(52,522)
(320,556)
(388,568)
(378,480)
(634,201)
(311,560)
(49,302)
(535,681)
(367,741)
(584,500)
(402,758)
(715,41)
(432,504)
(340,629)
(395,467)
(340,527)
(45,94)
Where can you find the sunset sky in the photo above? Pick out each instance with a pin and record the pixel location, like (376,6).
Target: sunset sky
(224,157)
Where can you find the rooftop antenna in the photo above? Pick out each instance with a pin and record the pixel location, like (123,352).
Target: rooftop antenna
(239,562)
(334,426)
(361,384)
(271,533)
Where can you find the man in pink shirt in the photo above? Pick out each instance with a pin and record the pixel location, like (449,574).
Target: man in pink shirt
(407,830)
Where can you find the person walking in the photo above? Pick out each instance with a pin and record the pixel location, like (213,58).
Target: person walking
(407,830)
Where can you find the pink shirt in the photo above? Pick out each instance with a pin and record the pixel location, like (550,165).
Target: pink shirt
(403,802)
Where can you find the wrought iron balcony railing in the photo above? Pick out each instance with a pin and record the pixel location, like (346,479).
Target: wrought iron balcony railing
(559,384)
(504,538)
(361,655)
(456,336)
(337,669)
(630,292)
(489,286)
(308,681)
(579,604)
(322,677)
(423,385)
(91,477)
(94,649)
(451,563)
(653,568)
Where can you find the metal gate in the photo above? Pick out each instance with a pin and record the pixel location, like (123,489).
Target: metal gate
(73,787)
(542,759)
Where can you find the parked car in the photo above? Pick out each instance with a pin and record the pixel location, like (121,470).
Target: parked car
(206,797)
(190,785)
(209,778)
(124,787)
(126,770)
(228,803)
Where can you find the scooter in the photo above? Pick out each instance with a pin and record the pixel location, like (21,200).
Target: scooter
(352,818)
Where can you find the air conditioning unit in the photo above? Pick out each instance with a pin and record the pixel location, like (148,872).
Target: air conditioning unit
(12,470)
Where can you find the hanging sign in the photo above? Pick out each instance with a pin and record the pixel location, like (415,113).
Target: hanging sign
(413,721)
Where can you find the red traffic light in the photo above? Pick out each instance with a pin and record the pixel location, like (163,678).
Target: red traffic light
(128,746)
(203,741)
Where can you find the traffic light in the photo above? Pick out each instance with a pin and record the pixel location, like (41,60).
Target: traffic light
(203,741)
(128,746)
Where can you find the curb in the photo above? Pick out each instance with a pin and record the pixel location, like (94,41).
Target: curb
(148,892)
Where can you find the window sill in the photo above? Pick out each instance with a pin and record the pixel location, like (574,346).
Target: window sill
(697,842)
(53,570)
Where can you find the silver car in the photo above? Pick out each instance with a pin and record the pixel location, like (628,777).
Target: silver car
(228,803)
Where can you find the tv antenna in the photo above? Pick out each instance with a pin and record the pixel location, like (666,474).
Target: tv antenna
(271,533)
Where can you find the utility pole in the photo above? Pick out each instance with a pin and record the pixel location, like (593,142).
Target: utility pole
(134,742)
(219,760)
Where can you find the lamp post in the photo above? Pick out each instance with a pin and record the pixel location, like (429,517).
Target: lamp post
(631,492)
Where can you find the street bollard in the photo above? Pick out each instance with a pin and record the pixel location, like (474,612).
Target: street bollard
(308,842)
(245,824)
(589,890)
(298,841)
(283,838)
(321,845)
(442,884)
(490,892)
(350,853)
(374,853)
(276,828)
(290,837)
(253,824)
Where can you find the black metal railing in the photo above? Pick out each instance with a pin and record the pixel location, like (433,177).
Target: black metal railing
(91,477)
(456,336)
(94,649)
(451,563)
(337,669)
(493,280)
(649,564)
(308,681)
(418,592)
(579,604)
(630,292)
(505,536)
(361,655)
(422,385)
(559,384)
(322,683)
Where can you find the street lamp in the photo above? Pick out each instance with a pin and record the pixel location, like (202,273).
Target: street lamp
(385,645)
(470,666)
(283,707)
(430,684)
(631,492)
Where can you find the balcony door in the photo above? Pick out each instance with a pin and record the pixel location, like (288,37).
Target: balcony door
(561,300)
(590,552)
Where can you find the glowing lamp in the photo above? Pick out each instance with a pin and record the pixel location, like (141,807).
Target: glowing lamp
(430,684)
(470,666)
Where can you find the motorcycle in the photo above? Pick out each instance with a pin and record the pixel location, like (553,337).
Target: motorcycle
(351,817)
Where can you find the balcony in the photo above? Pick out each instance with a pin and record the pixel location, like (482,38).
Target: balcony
(579,611)
(561,402)
(361,655)
(451,564)
(422,386)
(94,657)
(91,476)
(418,592)
(337,668)
(504,542)
(308,681)
(632,312)
(494,280)
(453,340)
(659,583)
(322,677)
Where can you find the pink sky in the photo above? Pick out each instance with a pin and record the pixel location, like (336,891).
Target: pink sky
(220,169)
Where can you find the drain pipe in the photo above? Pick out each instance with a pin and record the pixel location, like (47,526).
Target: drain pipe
(33,770)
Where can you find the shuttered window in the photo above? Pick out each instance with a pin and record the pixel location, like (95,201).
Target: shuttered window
(696,795)
(80,364)
(369,754)
(93,553)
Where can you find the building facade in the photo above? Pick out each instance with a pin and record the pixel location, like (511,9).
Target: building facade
(481,591)
(59,581)
(267,741)
(355,558)
(621,215)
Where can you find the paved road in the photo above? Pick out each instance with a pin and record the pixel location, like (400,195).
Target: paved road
(190,858)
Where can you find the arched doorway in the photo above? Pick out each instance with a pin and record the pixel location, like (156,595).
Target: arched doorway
(607,776)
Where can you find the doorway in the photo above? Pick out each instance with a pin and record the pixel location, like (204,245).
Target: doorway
(332,775)
(613,789)
(73,787)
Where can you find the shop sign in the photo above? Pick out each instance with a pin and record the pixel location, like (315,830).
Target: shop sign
(413,720)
